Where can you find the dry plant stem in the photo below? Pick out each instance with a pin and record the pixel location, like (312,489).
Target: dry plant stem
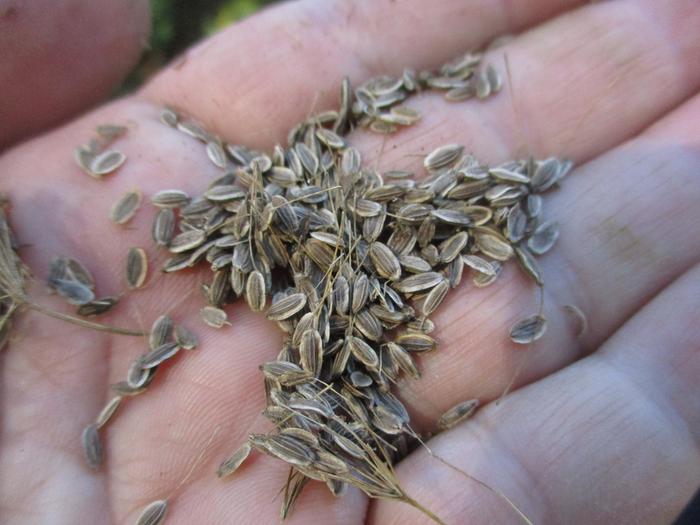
(413,503)
(82,322)
(500,494)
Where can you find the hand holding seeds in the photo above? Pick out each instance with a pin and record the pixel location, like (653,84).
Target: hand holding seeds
(328,301)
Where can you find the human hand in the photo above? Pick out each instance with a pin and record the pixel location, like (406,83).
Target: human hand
(601,429)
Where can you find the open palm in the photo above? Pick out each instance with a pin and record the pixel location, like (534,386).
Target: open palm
(604,428)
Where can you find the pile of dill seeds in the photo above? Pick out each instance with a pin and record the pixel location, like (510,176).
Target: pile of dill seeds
(350,264)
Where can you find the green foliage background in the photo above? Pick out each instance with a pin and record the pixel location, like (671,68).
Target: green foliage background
(177,24)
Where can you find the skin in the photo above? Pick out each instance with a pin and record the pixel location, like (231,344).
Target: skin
(598,429)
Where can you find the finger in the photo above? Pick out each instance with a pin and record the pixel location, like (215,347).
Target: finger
(623,238)
(612,437)
(44,73)
(266,85)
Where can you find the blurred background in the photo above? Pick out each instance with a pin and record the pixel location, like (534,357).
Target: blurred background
(177,24)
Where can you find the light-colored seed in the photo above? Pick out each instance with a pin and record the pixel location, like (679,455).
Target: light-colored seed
(363,352)
(451,247)
(169,117)
(443,156)
(435,297)
(480,265)
(232,463)
(92,447)
(494,246)
(418,282)
(311,351)
(579,318)
(287,307)
(217,154)
(136,268)
(457,414)
(416,342)
(360,293)
(185,338)
(84,157)
(528,330)
(76,271)
(107,412)
(214,317)
(170,199)
(187,240)
(125,208)
(528,263)
(255,291)
(111,132)
(153,513)
(106,162)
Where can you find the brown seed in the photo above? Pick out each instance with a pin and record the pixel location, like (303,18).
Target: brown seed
(97,306)
(364,353)
(107,412)
(360,292)
(214,317)
(419,282)
(170,199)
(493,246)
(457,414)
(154,513)
(255,291)
(443,156)
(232,463)
(528,330)
(159,355)
(106,163)
(384,260)
(187,240)
(136,268)
(311,352)
(185,338)
(163,227)
(435,297)
(287,307)
(92,447)
(161,331)
(125,208)
(416,342)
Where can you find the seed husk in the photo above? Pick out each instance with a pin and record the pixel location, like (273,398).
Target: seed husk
(163,227)
(125,208)
(443,156)
(92,447)
(528,330)
(136,268)
(419,282)
(384,260)
(170,199)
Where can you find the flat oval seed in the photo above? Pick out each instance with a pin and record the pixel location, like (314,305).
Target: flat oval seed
(158,355)
(107,162)
(528,330)
(214,317)
(136,268)
(154,513)
(287,307)
(125,208)
(231,464)
(255,291)
(108,411)
(92,447)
